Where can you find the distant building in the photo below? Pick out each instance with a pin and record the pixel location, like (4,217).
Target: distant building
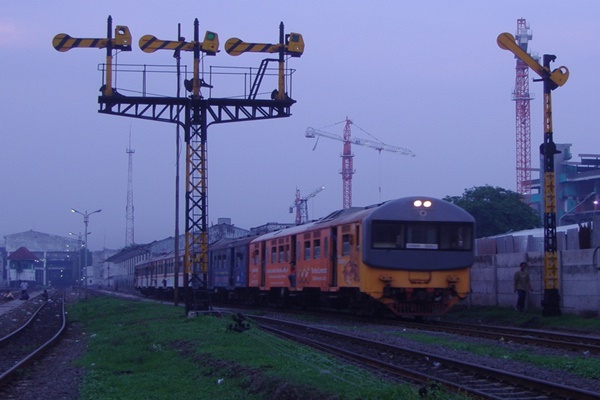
(577,186)
(118,269)
(57,258)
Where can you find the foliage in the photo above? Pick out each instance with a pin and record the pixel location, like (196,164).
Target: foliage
(496,210)
(147,351)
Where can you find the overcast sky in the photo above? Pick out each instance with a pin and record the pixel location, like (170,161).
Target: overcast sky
(424,75)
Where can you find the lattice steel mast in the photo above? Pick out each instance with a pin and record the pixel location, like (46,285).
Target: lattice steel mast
(129,227)
(522,99)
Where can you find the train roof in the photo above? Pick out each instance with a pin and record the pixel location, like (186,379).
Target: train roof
(397,209)
(421,208)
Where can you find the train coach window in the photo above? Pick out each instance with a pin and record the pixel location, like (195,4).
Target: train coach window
(281,254)
(346,242)
(307,250)
(273,255)
(317,249)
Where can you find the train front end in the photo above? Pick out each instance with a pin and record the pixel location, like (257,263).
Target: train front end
(418,252)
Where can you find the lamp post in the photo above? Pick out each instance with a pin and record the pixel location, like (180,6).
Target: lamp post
(79,258)
(86,220)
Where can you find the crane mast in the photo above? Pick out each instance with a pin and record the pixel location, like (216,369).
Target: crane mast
(301,205)
(347,156)
(522,99)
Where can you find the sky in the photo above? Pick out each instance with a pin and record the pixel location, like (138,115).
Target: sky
(424,75)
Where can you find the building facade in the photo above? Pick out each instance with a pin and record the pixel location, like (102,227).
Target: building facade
(577,186)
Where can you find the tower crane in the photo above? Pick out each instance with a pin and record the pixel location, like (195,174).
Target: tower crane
(301,205)
(522,99)
(347,163)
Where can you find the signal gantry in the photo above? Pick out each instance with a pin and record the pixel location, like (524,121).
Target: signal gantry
(193,114)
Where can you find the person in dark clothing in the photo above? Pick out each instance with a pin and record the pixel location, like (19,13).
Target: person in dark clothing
(522,285)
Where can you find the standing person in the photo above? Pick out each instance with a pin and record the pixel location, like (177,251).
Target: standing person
(292,275)
(522,285)
(24,286)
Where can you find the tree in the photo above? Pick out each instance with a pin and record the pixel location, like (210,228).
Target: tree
(496,210)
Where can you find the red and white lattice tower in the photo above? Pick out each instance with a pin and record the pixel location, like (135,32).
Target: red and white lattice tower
(522,99)
(347,167)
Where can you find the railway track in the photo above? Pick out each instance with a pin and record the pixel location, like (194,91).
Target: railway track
(585,344)
(542,338)
(28,342)
(423,368)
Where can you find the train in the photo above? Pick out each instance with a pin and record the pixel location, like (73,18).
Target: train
(409,257)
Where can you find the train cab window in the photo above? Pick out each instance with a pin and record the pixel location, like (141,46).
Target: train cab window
(255,257)
(346,243)
(456,237)
(317,249)
(307,250)
(417,235)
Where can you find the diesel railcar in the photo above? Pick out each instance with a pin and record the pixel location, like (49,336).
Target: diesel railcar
(408,256)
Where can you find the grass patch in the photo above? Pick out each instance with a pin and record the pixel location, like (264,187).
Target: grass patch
(530,319)
(577,365)
(149,351)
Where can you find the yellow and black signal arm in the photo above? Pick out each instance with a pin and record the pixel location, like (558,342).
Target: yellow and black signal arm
(150,44)
(294,46)
(559,76)
(122,41)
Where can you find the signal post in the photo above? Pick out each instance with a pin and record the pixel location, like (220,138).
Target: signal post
(552,80)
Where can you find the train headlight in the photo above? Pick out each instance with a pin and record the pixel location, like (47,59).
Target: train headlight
(420,203)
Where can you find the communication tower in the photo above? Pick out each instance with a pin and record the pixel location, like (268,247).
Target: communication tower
(129,237)
(522,99)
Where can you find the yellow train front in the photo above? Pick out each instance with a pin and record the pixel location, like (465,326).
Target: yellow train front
(410,256)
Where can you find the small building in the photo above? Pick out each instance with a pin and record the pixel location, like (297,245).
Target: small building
(58,258)
(23,265)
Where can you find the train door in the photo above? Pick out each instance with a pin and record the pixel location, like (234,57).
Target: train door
(230,258)
(263,263)
(293,249)
(333,258)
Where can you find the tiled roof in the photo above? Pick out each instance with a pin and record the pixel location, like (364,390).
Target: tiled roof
(22,254)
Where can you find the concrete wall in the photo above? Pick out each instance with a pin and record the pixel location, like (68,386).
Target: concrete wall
(579,280)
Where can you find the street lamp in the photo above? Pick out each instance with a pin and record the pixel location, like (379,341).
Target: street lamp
(86,220)
(79,257)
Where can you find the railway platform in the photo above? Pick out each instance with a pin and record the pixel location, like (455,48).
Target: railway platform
(6,306)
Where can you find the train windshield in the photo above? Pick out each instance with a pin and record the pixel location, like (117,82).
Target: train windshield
(422,236)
